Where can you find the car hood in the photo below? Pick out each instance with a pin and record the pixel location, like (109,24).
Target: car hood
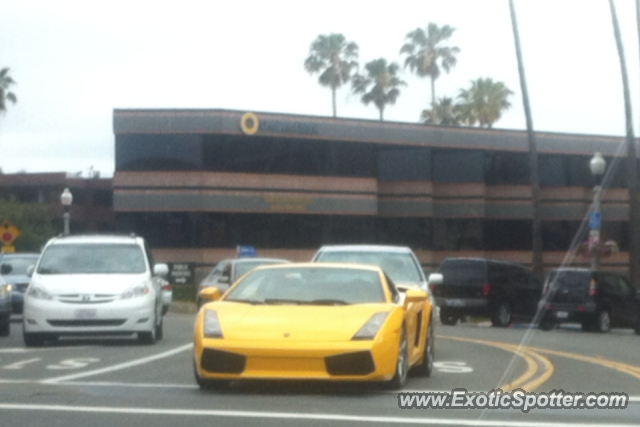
(16,278)
(293,322)
(88,283)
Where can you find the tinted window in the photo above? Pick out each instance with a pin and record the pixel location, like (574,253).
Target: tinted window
(568,279)
(92,259)
(19,265)
(244,267)
(463,271)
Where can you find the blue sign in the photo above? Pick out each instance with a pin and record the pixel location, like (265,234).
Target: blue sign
(246,252)
(594,220)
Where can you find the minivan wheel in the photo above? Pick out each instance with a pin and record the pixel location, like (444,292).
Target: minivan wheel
(547,324)
(447,318)
(603,321)
(148,337)
(502,316)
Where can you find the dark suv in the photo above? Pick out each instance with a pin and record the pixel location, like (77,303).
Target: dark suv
(598,300)
(499,290)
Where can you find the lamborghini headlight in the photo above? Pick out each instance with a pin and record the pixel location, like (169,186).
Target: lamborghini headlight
(211,327)
(370,329)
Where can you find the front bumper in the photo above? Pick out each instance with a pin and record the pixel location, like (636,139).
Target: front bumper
(337,361)
(116,317)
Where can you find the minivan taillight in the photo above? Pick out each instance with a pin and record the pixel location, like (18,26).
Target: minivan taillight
(593,291)
(486,289)
(166,287)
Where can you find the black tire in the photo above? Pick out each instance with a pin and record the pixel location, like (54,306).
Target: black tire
(402,364)
(5,329)
(602,321)
(501,317)
(149,337)
(547,325)
(448,318)
(33,339)
(637,327)
(160,329)
(210,385)
(426,367)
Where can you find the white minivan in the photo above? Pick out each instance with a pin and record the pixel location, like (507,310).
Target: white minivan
(94,285)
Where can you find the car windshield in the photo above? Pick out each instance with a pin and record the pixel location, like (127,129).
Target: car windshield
(92,259)
(19,264)
(399,266)
(313,286)
(243,267)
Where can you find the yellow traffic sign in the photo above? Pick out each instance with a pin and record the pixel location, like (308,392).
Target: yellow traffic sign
(8,249)
(8,233)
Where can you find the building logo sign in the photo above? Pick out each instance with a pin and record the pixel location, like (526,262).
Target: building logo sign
(249,123)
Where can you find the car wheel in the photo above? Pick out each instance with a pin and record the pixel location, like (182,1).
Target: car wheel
(207,384)
(148,337)
(160,329)
(603,321)
(5,329)
(402,364)
(547,324)
(426,368)
(501,318)
(448,318)
(33,339)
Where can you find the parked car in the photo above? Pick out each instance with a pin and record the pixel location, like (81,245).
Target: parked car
(91,285)
(328,322)
(598,300)
(399,262)
(18,278)
(480,287)
(5,302)
(227,271)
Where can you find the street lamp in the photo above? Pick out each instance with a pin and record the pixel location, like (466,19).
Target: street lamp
(66,198)
(597,165)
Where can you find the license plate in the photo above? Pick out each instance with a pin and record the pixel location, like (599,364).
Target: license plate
(454,302)
(562,314)
(86,313)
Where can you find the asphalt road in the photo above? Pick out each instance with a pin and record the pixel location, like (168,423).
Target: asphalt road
(118,382)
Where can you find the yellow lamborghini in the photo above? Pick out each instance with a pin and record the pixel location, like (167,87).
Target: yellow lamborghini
(335,322)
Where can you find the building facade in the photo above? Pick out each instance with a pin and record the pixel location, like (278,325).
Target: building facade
(198,183)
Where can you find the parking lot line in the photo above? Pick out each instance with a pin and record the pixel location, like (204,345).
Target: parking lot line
(119,366)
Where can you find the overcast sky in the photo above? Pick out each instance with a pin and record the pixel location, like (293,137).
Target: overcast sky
(75,61)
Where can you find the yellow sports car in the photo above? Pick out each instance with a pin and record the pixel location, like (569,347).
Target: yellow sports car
(335,322)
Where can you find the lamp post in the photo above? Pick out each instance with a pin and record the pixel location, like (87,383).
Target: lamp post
(66,198)
(597,165)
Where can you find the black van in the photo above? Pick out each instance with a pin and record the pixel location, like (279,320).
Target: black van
(598,300)
(499,290)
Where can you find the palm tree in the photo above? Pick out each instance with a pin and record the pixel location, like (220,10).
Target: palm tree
(5,95)
(426,53)
(536,221)
(384,82)
(334,59)
(484,101)
(444,112)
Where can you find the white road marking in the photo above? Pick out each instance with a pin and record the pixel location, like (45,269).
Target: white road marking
(291,416)
(119,366)
(22,363)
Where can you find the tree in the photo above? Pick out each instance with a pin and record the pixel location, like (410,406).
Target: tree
(384,82)
(445,112)
(484,101)
(6,95)
(334,59)
(536,221)
(35,222)
(427,54)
